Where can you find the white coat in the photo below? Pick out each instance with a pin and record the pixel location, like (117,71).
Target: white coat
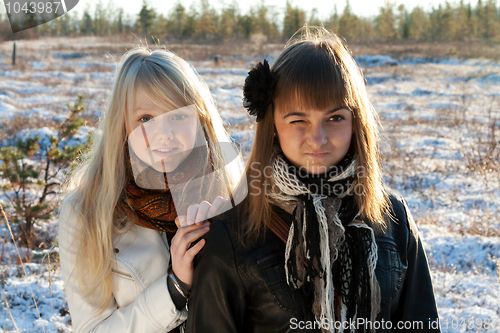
(141,302)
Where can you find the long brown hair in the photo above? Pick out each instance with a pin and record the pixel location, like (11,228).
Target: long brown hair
(316,70)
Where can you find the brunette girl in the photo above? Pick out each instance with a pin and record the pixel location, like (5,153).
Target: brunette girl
(319,244)
(161,157)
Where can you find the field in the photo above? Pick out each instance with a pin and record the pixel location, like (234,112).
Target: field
(439,139)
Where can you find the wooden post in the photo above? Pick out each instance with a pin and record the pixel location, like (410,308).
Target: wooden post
(14,55)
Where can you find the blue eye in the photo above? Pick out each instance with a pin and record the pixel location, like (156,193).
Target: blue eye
(145,119)
(178,117)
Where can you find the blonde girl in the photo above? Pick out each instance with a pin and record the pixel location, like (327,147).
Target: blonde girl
(319,244)
(159,160)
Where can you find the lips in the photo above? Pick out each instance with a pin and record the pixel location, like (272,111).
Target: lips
(317,155)
(164,152)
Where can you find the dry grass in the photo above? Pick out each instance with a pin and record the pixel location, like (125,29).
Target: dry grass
(50,81)
(242,127)
(484,155)
(415,169)
(96,67)
(224,50)
(498,273)
(20,122)
(21,65)
(117,45)
(21,263)
(461,50)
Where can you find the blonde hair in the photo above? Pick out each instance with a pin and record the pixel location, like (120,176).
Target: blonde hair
(316,71)
(97,184)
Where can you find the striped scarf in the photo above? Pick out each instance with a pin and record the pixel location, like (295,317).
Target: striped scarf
(339,251)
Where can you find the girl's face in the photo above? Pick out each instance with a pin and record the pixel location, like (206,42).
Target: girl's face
(160,138)
(314,140)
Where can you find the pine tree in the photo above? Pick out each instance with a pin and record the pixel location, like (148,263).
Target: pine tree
(436,24)
(179,18)
(261,22)
(86,24)
(206,26)
(101,22)
(314,19)
(386,25)
(474,22)
(227,24)
(403,22)
(418,25)
(145,18)
(119,28)
(189,27)
(448,26)
(333,23)
(158,29)
(294,19)
(32,172)
(480,15)
(245,25)
(462,22)
(347,25)
(490,22)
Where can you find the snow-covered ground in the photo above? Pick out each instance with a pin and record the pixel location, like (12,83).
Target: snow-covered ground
(438,119)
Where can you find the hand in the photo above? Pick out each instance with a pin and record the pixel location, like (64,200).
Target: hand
(198,213)
(182,255)
(191,227)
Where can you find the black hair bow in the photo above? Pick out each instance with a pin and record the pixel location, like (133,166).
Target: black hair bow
(258,90)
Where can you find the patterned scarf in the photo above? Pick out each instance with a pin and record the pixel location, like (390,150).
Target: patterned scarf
(154,208)
(338,251)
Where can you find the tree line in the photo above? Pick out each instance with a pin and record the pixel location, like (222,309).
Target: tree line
(457,21)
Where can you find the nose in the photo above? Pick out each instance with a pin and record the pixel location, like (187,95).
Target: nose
(165,132)
(159,130)
(317,136)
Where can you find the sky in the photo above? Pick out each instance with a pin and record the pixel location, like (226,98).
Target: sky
(366,8)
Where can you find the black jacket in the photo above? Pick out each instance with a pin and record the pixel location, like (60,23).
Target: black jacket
(238,289)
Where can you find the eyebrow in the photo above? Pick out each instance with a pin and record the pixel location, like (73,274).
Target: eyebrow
(302,114)
(141,109)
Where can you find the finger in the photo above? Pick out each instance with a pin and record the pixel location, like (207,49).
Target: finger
(216,205)
(187,239)
(180,221)
(202,211)
(190,228)
(178,243)
(191,213)
(194,250)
